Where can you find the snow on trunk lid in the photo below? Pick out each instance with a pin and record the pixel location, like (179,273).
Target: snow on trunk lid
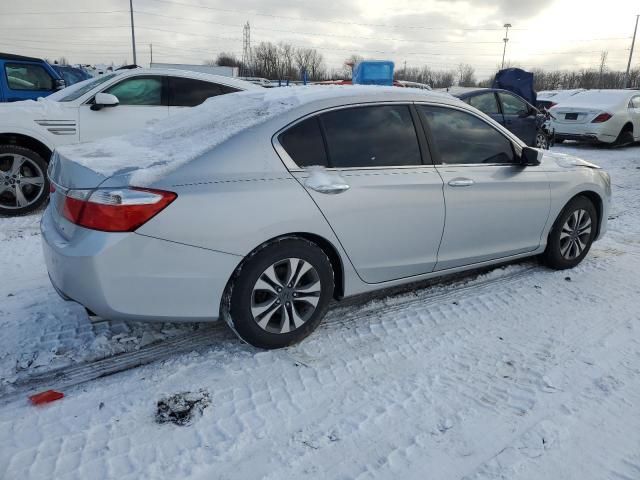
(147,155)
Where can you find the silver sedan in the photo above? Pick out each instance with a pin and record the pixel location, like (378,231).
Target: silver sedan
(260,207)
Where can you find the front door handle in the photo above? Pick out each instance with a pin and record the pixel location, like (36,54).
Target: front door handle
(330,188)
(461,182)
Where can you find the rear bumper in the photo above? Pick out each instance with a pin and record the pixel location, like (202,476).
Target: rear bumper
(126,276)
(587,132)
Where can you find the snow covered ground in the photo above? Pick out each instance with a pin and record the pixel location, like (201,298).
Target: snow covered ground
(519,372)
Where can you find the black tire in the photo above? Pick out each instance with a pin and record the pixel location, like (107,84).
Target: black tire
(241,294)
(625,137)
(555,255)
(36,166)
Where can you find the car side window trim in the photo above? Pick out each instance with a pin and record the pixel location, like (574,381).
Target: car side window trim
(293,167)
(516,143)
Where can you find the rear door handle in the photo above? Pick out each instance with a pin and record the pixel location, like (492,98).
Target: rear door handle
(329,189)
(461,182)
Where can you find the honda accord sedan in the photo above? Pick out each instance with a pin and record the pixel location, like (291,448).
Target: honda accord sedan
(259,207)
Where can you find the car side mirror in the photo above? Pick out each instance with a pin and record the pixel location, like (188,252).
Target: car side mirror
(530,157)
(104,100)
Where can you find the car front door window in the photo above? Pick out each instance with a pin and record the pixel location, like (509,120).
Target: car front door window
(463,139)
(138,91)
(512,105)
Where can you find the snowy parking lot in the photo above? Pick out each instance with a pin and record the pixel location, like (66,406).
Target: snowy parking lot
(515,372)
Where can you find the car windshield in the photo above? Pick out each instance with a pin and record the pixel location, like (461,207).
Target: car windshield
(76,91)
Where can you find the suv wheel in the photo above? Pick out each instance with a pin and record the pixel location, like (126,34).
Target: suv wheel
(24,186)
(280,294)
(572,234)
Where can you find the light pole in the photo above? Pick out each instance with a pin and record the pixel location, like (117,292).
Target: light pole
(133,33)
(506,39)
(633,42)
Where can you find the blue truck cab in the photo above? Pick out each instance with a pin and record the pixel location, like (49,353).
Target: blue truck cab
(26,78)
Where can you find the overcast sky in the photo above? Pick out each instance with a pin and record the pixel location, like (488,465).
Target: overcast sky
(441,34)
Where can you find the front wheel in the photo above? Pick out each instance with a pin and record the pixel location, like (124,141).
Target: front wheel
(23,181)
(572,234)
(280,294)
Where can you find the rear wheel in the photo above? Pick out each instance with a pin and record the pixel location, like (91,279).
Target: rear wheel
(542,141)
(280,294)
(572,234)
(24,186)
(625,137)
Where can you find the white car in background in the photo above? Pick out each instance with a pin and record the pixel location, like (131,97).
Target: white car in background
(108,105)
(606,116)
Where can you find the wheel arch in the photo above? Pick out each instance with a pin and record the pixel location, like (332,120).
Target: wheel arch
(26,141)
(325,245)
(628,126)
(597,202)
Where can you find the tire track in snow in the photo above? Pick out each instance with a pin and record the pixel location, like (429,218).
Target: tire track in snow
(76,374)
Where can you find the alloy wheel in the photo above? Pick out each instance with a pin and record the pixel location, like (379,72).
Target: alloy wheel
(21,181)
(285,296)
(541,141)
(575,233)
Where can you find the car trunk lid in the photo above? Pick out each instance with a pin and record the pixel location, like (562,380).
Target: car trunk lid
(574,115)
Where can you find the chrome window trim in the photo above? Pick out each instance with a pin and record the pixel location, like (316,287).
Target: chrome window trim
(295,168)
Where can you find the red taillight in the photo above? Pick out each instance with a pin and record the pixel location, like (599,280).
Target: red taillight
(553,104)
(603,117)
(115,210)
(52,188)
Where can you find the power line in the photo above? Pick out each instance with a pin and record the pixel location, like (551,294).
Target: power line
(335,22)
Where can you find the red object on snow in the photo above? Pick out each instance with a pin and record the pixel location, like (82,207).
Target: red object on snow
(47,396)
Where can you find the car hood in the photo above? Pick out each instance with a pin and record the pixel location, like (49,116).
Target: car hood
(568,161)
(38,109)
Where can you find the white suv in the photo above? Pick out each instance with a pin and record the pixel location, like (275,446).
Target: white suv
(112,104)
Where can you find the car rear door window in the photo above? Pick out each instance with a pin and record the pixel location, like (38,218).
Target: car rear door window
(512,105)
(24,76)
(485,102)
(461,138)
(304,144)
(189,92)
(376,136)
(138,91)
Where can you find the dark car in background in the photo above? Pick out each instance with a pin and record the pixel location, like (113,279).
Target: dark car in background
(71,74)
(26,78)
(508,109)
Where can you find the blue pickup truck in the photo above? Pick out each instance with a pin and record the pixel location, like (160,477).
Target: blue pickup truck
(26,78)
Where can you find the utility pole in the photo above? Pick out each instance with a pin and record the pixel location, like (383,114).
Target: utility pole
(633,42)
(133,33)
(246,51)
(151,52)
(505,39)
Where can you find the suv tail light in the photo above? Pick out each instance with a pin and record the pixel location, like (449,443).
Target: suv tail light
(114,210)
(603,117)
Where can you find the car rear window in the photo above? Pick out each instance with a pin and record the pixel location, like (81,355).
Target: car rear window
(189,92)
(376,136)
(303,143)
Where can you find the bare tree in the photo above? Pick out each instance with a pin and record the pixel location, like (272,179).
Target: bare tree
(466,75)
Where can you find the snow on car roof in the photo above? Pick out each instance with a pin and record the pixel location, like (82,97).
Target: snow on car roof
(598,98)
(164,146)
